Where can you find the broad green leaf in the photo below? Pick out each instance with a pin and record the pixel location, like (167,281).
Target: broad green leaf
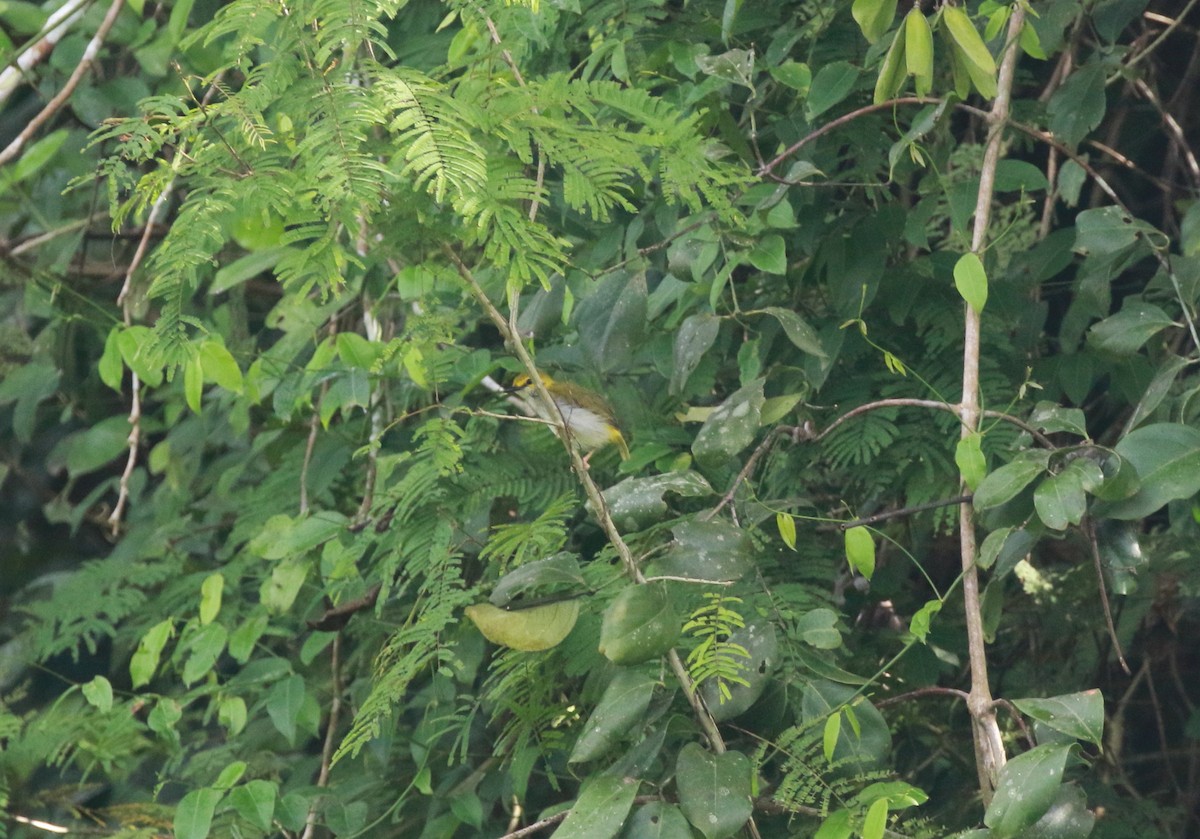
(243,639)
(603,804)
(278,592)
(138,351)
(818,628)
(210,597)
(220,366)
(87,450)
(860,550)
(110,367)
(230,775)
(1027,786)
(694,338)
(866,741)
(830,86)
(976,57)
(803,336)
(282,536)
(99,694)
(1003,484)
(612,321)
(231,713)
(837,825)
(714,790)
(1126,331)
(636,502)
(795,75)
(145,658)
(1052,418)
(255,802)
(544,576)
(1106,231)
(875,822)
(1078,105)
(618,716)
(873,17)
(919,625)
(786,526)
(284,703)
(829,737)
(731,427)
(1080,715)
(1060,499)
(357,351)
(193,382)
(528,630)
(1166,457)
(194,813)
(892,72)
(769,254)
(1165,376)
(728,16)
(761,644)
(205,647)
(639,625)
(736,66)
(706,550)
(971,280)
(35,157)
(918,50)
(658,820)
(968,456)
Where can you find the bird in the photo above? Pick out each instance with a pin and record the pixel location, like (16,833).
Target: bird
(587,415)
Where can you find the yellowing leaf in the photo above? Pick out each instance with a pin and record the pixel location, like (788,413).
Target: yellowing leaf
(528,630)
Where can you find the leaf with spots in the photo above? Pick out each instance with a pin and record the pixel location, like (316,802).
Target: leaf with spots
(714,790)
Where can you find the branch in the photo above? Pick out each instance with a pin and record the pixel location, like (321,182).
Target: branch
(335,707)
(60,98)
(1089,527)
(990,756)
(35,50)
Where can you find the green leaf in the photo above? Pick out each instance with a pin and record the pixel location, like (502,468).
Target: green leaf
(278,592)
(284,703)
(194,813)
(761,644)
(976,58)
(769,254)
(219,366)
(706,550)
(968,456)
(210,597)
(230,775)
(694,338)
(1080,715)
(1060,499)
(636,502)
(619,715)
(99,694)
(1126,331)
(110,367)
(1027,786)
(866,741)
(795,75)
(919,625)
(1003,484)
(193,382)
(731,427)
(603,804)
(714,790)
(818,628)
(786,526)
(545,576)
(282,536)
(1109,230)
(206,646)
(803,336)
(530,630)
(971,280)
(658,820)
(875,822)
(860,550)
(829,737)
(1166,457)
(243,639)
(1052,418)
(255,802)
(149,650)
(231,713)
(831,85)
(1078,105)
(873,17)
(639,625)
(892,72)
(918,50)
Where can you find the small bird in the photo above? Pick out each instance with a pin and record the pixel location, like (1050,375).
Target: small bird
(587,415)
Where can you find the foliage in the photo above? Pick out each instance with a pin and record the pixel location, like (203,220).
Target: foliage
(269,269)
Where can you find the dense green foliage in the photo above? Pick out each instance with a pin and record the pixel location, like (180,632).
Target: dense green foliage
(298,248)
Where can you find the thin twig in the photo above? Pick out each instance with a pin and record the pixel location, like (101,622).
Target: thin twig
(905,511)
(85,63)
(335,707)
(35,50)
(1089,527)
